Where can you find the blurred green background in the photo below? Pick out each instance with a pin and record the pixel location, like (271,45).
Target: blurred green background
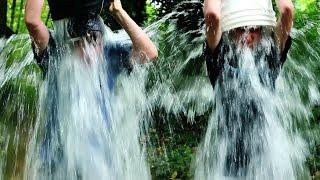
(172,154)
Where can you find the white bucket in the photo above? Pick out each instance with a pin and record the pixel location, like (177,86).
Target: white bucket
(239,13)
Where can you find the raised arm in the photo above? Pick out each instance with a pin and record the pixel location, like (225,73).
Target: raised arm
(212,15)
(285,21)
(143,48)
(37,30)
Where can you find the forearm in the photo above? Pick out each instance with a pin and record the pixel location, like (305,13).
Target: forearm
(212,14)
(37,30)
(143,47)
(285,22)
(285,7)
(40,35)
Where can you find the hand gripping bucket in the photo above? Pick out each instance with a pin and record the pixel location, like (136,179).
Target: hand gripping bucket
(239,13)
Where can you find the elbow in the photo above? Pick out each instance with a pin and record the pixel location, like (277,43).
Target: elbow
(32,22)
(153,54)
(145,56)
(288,10)
(212,18)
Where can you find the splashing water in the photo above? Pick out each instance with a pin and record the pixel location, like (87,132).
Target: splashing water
(251,134)
(2,43)
(81,128)
(99,128)
(80,132)
(18,89)
(256,130)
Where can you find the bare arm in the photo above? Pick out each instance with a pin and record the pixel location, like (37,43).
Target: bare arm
(37,30)
(285,22)
(212,15)
(143,47)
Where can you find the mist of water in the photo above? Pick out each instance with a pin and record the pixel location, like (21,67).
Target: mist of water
(80,127)
(251,133)
(256,130)
(2,43)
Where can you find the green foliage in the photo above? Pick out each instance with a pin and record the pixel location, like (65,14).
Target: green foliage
(151,13)
(174,145)
(174,142)
(313,160)
(165,6)
(21,87)
(19,97)
(305,5)
(172,156)
(306,11)
(16,12)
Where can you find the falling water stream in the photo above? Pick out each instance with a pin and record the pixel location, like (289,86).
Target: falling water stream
(2,43)
(83,122)
(77,128)
(256,129)
(251,134)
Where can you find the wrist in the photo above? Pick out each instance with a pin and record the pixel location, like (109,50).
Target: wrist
(117,14)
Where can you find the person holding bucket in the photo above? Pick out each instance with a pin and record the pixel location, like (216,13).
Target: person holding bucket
(81,63)
(244,21)
(83,23)
(245,49)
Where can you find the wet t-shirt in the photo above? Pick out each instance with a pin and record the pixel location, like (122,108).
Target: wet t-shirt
(116,54)
(117,57)
(240,114)
(215,60)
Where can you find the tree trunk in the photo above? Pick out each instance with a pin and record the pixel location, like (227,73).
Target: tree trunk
(13,8)
(3,12)
(4,30)
(20,14)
